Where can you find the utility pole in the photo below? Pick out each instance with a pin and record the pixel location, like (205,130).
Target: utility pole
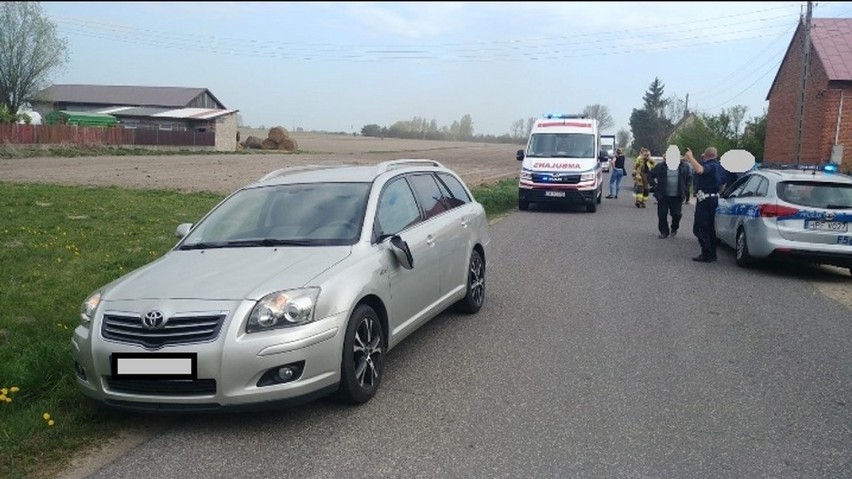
(686,106)
(806,59)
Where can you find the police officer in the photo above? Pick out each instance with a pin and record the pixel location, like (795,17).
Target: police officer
(709,178)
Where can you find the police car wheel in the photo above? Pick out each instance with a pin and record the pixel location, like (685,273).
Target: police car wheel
(743,257)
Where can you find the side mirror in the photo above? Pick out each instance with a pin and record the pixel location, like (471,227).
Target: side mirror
(183,229)
(519,155)
(402,252)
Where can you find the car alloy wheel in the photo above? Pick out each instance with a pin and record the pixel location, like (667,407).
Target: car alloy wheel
(742,255)
(363,357)
(475,297)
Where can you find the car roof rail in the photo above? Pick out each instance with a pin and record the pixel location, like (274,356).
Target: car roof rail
(402,163)
(295,169)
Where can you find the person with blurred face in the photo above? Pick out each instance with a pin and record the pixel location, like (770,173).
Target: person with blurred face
(709,178)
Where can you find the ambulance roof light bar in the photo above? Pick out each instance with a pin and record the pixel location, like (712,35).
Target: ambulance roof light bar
(562,116)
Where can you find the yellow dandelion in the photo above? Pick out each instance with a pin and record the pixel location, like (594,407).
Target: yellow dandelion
(15,389)
(4,391)
(46,416)
(8,399)
(50,423)
(2,397)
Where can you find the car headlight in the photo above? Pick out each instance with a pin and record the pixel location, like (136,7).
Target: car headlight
(283,309)
(587,176)
(90,305)
(526,175)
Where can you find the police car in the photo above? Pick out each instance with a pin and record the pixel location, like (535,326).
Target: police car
(788,214)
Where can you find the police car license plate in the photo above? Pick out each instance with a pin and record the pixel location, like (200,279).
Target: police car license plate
(556,194)
(154,365)
(837,226)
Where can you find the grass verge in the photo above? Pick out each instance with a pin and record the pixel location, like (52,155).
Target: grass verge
(498,198)
(57,245)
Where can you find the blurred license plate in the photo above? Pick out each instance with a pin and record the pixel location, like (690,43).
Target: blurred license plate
(154,365)
(557,194)
(826,225)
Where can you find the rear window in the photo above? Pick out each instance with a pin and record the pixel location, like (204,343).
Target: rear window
(814,194)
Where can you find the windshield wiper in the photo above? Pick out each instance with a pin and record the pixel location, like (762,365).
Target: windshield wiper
(249,243)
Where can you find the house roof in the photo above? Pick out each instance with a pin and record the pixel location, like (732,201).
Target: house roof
(831,39)
(163,96)
(179,113)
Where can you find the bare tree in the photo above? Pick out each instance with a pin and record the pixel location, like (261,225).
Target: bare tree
(530,124)
(601,113)
(737,114)
(623,138)
(674,109)
(518,129)
(30,51)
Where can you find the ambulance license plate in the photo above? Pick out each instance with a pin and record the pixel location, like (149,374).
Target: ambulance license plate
(555,194)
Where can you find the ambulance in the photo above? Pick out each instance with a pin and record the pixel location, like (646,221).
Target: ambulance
(562,163)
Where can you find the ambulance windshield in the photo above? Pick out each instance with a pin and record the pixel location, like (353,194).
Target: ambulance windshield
(562,145)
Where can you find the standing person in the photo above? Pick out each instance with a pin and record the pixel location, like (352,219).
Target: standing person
(670,188)
(709,177)
(617,174)
(691,181)
(641,168)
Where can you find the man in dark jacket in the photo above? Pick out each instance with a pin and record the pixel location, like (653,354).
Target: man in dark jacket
(671,188)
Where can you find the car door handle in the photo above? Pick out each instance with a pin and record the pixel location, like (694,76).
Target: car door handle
(430,240)
(465,222)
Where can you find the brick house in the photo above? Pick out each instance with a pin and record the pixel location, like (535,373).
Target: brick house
(828,110)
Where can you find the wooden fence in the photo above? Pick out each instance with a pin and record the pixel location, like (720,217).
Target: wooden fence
(12,133)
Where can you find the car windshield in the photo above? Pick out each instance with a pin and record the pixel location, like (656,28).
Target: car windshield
(562,145)
(311,214)
(816,194)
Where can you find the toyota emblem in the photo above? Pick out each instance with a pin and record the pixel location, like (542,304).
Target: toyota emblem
(153,320)
(829,215)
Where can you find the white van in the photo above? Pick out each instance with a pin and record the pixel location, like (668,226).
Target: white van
(562,163)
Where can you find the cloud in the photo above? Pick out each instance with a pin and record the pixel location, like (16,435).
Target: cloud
(412,20)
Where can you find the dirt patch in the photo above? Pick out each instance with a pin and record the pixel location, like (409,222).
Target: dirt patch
(476,163)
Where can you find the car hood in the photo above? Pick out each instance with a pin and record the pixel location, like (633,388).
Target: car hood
(226,273)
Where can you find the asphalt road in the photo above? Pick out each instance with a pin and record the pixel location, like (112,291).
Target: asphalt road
(602,351)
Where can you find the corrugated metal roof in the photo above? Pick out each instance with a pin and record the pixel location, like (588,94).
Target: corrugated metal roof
(174,97)
(132,111)
(193,113)
(832,40)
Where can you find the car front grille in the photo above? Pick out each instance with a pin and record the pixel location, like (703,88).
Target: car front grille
(164,387)
(179,329)
(556,178)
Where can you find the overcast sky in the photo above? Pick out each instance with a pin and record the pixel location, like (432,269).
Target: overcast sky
(340,66)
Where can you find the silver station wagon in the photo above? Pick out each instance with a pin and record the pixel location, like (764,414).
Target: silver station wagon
(786,214)
(290,289)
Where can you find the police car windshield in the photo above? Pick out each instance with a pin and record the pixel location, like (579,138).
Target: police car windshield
(816,194)
(562,145)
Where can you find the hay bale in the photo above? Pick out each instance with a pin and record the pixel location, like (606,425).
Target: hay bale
(268,144)
(278,134)
(288,144)
(253,142)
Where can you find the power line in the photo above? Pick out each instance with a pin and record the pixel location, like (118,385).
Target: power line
(770,70)
(401,54)
(231,40)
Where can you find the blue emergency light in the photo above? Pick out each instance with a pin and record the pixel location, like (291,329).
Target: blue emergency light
(830,168)
(561,116)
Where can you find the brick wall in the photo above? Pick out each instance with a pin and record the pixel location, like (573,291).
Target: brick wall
(822,101)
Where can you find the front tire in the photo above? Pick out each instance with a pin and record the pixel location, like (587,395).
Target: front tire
(743,257)
(523,205)
(363,360)
(475,297)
